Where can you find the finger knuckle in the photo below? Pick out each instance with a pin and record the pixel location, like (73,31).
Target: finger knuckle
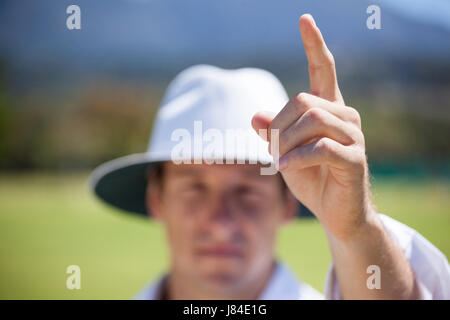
(300,100)
(360,137)
(354,116)
(324,147)
(330,58)
(315,115)
(328,62)
(359,161)
(354,134)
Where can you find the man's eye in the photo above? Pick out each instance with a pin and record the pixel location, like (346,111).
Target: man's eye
(195,188)
(248,194)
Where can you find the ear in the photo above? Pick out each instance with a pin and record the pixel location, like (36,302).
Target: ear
(153,200)
(292,207)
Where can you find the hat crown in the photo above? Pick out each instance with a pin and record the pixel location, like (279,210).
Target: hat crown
(219,99)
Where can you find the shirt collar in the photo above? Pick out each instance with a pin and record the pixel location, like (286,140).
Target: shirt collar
(282,285)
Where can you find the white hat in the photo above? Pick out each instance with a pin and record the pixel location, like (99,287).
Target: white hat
(203,111)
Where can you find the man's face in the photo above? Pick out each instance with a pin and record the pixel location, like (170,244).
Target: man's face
(221,221)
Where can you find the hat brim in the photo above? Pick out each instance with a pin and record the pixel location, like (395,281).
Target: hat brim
(122,183)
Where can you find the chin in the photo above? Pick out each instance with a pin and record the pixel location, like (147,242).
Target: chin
(223,276)
(222,284)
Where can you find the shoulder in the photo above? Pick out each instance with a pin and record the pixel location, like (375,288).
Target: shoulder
(430,265)
(151,291)
(309,293)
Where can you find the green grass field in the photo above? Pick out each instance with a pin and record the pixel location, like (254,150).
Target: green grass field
(50,221)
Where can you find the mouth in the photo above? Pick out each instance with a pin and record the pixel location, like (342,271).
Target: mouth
(221,252)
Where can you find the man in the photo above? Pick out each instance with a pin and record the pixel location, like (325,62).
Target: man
(221,205)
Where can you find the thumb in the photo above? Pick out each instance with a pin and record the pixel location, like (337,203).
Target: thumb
(261,121)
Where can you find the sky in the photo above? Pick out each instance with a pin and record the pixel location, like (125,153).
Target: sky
(435,12)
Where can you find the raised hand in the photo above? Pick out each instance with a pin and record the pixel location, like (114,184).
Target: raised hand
(321,145)
(324,164)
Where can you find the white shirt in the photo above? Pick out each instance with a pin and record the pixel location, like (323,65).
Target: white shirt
(428,263)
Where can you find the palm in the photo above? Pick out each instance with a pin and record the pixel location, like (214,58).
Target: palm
(325,195)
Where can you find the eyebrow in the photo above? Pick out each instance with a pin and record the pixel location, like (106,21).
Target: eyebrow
(186,172)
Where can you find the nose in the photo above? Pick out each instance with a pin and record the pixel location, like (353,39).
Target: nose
(222,219)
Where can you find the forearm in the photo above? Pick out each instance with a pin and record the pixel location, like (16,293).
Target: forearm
(372,245)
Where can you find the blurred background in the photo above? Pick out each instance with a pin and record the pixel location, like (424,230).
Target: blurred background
(72,99)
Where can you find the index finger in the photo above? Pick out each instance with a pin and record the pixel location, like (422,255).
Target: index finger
(322,72)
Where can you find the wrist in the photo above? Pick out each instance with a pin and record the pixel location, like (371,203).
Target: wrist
(366,229)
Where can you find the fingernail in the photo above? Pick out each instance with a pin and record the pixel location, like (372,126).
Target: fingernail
(312,19)
(282,163)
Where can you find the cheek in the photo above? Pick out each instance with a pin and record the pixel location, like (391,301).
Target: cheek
(180,240)
(262,232)
(180,230)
